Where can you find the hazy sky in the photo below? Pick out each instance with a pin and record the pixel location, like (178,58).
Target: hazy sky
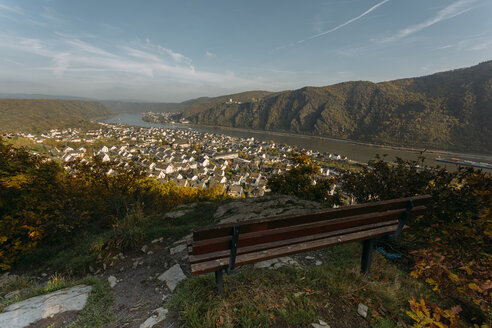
(176,50)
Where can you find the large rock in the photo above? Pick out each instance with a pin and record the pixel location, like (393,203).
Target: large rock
(22,314)
(172,276)
(253,208)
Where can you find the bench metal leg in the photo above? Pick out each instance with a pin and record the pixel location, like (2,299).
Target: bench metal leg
(219,280)
(367,249)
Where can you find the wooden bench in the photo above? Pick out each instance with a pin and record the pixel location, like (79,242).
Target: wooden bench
(222,247)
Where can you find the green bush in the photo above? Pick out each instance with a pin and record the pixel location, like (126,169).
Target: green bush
(304,181)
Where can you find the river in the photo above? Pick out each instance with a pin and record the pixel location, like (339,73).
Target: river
(359,152)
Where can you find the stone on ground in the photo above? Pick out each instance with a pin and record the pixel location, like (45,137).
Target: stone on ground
(276,263)
(266,264)
(157,316)
(362,310)
(22,314)
(321,324)
(158,240)
(112,281)
(172,276)
(176,214)
(177,249)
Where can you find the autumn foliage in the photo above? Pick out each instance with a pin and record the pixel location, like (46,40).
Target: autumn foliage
(432,316)
(41,201)
(452,244)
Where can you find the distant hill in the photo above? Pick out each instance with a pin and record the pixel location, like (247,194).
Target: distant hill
(449,110)
(40,96)
(204,103)
(119,107)
(39,115)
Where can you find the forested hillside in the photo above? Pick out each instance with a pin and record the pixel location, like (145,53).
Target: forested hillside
(39,115)
(450,110)
(119,107)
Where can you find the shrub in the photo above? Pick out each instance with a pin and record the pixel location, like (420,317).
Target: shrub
(300,182)
(452,243)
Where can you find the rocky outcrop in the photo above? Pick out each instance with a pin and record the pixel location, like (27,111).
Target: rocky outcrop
(22,314)
(254,208)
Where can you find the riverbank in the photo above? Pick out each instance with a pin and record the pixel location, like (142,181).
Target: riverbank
(483,157)
(354,150)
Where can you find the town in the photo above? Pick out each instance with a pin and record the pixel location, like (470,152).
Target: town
(185,157)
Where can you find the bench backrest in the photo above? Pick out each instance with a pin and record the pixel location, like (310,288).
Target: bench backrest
(217,239)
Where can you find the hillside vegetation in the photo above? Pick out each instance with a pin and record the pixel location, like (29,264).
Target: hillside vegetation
(39,115)
(119,107)
(203,104)
(450,110)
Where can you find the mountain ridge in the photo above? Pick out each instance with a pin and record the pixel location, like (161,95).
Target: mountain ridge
(449,110)
(39,115)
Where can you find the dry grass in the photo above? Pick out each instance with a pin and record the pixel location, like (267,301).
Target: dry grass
(298,297)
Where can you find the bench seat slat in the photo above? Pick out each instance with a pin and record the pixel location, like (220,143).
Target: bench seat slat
(249,249)
(243,259)
(290,232)
(222,230)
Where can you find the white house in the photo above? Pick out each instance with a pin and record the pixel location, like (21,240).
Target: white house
(169,169)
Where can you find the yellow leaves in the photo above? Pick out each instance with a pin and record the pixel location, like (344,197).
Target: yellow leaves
(17,181)
(442,267)
(4,266)
(474,286)
(97,247)
(453,277)
(432,316)
(34,235)
(433,283)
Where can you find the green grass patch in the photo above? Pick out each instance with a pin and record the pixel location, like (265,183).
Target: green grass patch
(71,255)
(98,310)
(87,248)
(298,297)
